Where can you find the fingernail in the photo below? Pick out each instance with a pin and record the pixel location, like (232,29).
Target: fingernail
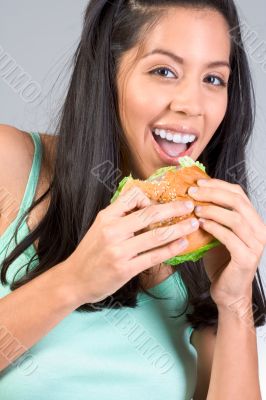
(192,190)
(194,223)
(146,202)
(197,209)
(183,243)
(189,205)
(201,221)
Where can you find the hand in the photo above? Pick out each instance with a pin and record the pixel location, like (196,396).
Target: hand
(110,253)
(236,224)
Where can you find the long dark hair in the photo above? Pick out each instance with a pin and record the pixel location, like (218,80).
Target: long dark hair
(91,139)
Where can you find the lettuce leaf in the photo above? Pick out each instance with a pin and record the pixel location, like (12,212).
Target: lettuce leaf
(120,187)
(187,161)
(194,255)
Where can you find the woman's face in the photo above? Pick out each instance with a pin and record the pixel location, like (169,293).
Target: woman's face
(182,96)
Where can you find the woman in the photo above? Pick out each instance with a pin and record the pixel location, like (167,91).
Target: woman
(140,65)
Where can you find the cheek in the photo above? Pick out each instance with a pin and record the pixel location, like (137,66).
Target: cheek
(216,111)
(142,103)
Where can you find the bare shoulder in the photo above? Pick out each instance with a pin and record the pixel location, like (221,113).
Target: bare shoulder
(12,142)
(16,156)
(16,152)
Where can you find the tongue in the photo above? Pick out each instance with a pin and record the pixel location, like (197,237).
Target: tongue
(171,148)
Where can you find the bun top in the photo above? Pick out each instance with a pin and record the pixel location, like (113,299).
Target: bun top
(170,186)
(167,183)
(184,162)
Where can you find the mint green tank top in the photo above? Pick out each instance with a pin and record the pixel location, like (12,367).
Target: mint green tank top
(114,354)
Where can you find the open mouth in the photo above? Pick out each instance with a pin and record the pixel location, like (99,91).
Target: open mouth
(170,150)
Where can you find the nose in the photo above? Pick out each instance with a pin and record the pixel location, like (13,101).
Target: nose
(188,99)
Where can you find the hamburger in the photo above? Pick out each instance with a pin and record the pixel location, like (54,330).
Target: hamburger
(171,184)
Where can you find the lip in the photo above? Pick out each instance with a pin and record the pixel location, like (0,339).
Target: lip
(178,128)
(167,159)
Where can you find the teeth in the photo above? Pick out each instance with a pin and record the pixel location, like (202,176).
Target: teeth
(186,138)
(169,136)
(174,137)
(161,133)
(177,138)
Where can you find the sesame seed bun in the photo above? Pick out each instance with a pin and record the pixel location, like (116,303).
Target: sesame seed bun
(171,184)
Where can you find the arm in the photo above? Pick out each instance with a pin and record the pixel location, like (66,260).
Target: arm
(233,331)
(31,311)
(234,372)
(204,342)
(227,359)
(235,223)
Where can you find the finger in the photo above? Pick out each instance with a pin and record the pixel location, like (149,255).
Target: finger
(235,188)
(232,220)
(127,201)
(218,183)
(153,257)
(233,201)
(159,236)
(155,213)
(238,250)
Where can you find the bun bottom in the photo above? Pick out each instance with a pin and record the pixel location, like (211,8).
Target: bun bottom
(199,241)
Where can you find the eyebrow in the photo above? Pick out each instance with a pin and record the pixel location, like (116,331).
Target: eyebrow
(180,60)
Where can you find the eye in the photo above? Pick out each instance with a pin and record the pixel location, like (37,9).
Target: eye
(221,82)
(156,71)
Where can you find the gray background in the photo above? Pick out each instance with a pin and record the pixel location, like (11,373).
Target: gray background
(40,38)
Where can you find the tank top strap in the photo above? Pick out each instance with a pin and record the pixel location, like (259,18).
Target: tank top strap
(34,175)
